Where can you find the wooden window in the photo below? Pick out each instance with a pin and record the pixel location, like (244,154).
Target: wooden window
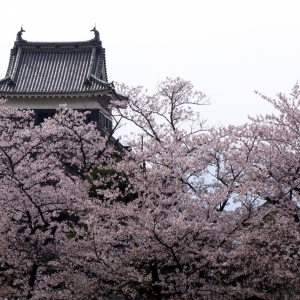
(41,115)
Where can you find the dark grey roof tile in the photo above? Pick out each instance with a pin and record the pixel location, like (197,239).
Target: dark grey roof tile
(52,68)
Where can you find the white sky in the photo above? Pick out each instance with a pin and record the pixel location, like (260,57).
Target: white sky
(226,48)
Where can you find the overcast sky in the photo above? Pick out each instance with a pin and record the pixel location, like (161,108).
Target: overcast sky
(226,48)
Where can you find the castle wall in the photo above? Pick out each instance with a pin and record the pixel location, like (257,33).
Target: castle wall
(54,102)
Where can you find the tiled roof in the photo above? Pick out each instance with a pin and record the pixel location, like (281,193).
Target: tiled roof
(56,68)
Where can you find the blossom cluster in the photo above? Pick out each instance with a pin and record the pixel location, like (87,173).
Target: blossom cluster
(190,212)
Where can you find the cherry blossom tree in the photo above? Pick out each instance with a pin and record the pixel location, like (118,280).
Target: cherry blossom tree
(190,212)
(177,239)
(42,199)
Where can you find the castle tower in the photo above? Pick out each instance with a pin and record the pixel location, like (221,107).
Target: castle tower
(42,75)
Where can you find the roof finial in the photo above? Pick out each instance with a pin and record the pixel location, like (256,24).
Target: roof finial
(19,35)
(97,35)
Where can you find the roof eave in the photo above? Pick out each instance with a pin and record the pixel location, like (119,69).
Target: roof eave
(55,95)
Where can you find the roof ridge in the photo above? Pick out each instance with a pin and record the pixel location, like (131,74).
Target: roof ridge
(30,43)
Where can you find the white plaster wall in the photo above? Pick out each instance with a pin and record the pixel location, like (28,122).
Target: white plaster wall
(53,103)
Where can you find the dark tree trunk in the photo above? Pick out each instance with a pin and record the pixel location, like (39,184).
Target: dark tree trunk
(32,279)
(155,279)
